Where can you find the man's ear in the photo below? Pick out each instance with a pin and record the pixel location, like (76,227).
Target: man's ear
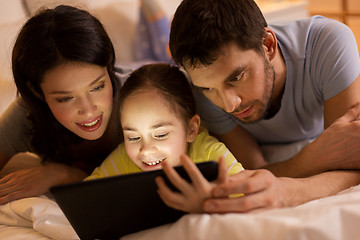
(193,128)
(269,43)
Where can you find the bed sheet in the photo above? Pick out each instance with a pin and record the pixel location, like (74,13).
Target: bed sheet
(330,218)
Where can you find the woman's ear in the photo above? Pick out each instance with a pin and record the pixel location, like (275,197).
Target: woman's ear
(269,43)
(193,128)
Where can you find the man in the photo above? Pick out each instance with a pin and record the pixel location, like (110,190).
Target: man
(282,84)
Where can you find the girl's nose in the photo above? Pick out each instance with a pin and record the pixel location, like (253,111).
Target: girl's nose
(147,147)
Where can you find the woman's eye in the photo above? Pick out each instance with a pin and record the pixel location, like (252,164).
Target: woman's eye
(64,99)
(134,139)
(98,87)
(161,136)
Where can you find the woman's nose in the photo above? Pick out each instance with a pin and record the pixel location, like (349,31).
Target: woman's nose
(86,106)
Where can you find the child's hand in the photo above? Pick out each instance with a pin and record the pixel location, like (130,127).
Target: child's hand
(191,196)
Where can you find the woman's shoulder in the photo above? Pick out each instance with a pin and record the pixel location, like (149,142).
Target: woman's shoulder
(16,111)
(15,129)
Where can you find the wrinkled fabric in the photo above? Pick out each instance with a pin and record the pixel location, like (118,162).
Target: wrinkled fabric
(39,214)
(330,218)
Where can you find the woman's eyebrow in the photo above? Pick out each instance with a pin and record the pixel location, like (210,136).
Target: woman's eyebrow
(97,79)
(92,83)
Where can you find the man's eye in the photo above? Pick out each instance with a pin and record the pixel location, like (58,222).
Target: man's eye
(64,99)
(208,89)
(238,77)
(161,136)
(134,139)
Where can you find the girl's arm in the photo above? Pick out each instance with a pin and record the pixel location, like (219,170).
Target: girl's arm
(191,196)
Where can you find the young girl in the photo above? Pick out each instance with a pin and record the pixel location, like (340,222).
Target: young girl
(159,123)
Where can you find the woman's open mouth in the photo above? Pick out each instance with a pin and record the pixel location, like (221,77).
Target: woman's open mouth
(92,124)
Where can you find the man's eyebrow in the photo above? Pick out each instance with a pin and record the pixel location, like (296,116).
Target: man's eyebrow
(92,83)
(233,75)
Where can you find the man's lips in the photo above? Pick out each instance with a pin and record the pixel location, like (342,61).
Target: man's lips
(245,113)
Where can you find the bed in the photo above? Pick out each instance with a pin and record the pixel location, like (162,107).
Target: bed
(331,218)
(40,218)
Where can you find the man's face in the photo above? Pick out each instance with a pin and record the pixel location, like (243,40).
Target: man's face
(240,82)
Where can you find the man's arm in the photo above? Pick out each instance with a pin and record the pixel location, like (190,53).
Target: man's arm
(265,191)
(337,147)
(244,147)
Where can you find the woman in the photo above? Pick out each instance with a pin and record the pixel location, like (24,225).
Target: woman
(63,66)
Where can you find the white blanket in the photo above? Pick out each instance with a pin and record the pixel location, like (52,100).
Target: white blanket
(330,218)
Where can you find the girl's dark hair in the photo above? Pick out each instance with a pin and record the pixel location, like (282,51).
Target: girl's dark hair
(200,28)
(49,39)
(169,81)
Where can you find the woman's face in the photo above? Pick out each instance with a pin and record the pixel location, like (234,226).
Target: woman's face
(152,132)
(80,96)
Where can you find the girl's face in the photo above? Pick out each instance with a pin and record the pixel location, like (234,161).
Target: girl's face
(80,96)
(152,132)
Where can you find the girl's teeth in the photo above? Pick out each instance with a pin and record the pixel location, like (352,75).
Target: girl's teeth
(154,163)
(91,124)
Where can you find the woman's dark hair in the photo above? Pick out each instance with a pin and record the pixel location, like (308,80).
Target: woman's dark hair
(169,81)
(200,28)
(49,39)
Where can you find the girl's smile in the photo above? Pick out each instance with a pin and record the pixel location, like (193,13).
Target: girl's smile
(153,132)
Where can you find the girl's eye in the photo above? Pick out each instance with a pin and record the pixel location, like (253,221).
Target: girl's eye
(65,99)
(98,88)
(134,139)
(161,136)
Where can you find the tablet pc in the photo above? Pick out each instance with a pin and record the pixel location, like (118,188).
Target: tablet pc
(112,207)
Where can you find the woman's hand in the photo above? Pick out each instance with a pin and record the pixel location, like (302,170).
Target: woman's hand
(191,196)
(36,181)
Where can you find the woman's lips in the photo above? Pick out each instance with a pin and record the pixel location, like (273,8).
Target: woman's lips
(92,124)
(247,112)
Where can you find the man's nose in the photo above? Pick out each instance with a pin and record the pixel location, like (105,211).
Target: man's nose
(230,100)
